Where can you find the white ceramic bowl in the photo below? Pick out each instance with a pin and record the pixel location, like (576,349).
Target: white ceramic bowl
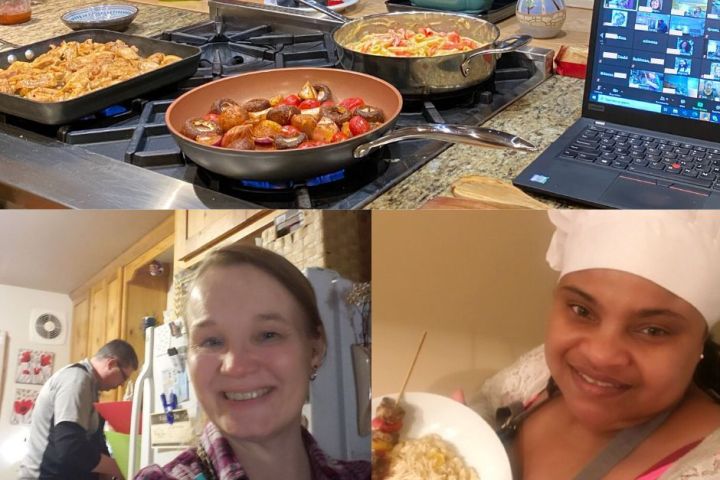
(475,440)
(107,17)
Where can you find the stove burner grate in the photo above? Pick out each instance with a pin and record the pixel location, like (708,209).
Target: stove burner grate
(229,49)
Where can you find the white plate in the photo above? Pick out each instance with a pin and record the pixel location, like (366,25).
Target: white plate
(459,425)
(338,8)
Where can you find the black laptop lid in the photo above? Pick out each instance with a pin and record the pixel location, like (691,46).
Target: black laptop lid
(655,64)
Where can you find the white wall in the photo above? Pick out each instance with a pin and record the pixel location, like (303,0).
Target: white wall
(15,306)
(475,280)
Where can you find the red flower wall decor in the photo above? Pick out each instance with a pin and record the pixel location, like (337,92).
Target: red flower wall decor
(34,366)
(23,406)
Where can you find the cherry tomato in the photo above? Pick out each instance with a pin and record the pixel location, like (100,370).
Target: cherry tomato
(379,424)
(292,100)
(453,37)
(352,103)
(289,131)
(212,117)
(338,137)
(358,125)
(334,2)
(307,104)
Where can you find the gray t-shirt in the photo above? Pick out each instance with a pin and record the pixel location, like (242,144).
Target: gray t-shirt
(68,396)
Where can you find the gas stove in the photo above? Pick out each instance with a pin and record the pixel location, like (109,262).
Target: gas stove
(247,37)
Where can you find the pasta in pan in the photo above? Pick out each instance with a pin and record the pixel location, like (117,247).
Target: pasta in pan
(401,42)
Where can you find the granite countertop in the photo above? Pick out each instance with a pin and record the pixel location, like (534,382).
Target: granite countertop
(540,117)
(45,22)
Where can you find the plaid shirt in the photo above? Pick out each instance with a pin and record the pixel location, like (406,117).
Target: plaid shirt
(187,465)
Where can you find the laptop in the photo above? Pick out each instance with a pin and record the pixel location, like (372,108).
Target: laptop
(649,135)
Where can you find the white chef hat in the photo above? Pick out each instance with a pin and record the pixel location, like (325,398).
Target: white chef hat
(676,249)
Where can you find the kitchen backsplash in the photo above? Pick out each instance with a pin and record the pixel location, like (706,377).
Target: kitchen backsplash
(337,240)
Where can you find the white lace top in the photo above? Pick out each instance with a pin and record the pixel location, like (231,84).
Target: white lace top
(529,375)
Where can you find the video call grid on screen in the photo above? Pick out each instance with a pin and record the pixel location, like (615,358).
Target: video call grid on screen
(659,55)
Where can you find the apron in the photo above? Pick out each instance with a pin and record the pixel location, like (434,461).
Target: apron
(622,444)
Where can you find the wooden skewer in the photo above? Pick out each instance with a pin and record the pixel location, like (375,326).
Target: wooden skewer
(412,365)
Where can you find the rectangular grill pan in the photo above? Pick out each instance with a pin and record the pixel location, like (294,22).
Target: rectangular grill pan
(55,113)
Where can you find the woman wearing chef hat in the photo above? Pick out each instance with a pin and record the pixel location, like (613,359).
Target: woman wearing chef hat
(626,385)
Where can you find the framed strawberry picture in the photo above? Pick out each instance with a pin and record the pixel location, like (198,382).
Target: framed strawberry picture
(34,366)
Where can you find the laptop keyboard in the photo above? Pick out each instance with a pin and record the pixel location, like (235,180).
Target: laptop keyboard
(647,155)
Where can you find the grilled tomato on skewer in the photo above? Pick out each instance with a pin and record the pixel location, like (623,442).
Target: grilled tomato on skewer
(386,428)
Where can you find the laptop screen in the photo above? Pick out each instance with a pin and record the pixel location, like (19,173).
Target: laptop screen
(656,57)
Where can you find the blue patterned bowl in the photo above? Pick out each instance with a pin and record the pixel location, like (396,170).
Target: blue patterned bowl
(108,17)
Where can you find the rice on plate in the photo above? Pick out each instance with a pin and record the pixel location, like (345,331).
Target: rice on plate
(441,438)
(430,458)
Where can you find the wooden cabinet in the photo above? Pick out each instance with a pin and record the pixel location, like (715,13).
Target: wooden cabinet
(114,297)
(98,312)
(144,294)
(104,312)
(199,231)
(112,303)
(104,319)
(80,325)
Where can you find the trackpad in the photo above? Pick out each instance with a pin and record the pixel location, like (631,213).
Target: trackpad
(626,192)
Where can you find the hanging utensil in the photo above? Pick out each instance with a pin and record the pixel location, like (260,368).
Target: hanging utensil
(324,9)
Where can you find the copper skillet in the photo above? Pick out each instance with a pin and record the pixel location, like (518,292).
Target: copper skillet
(302,164)
(291,164)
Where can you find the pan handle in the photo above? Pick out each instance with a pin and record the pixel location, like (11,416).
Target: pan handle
(324,9)
(508,44)
(478,136)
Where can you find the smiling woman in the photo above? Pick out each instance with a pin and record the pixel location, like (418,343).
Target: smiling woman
(256,341)
(625,384)
(633,372)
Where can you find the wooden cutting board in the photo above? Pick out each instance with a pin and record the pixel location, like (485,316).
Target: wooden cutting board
(453,203)
(476,192)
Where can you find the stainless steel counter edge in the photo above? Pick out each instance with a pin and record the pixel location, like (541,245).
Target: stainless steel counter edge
(38,172)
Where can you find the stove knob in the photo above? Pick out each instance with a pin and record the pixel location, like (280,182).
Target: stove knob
(29,54)
(11,58)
